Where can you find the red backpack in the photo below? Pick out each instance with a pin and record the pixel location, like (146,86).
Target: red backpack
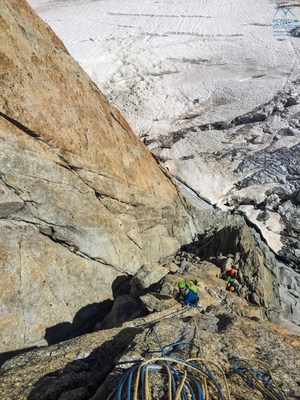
(231,273)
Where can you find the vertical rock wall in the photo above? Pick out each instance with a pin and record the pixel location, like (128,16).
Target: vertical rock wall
(82,201)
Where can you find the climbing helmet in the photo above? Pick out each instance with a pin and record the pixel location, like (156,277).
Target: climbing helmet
(181,284)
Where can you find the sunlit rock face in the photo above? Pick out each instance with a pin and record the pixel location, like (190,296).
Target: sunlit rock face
(82,200)
(210,88)
(83,204)
(224,330)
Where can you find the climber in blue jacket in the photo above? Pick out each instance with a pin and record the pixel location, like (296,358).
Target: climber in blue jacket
(190,297)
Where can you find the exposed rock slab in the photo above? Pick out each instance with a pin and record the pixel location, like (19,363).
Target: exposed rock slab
(82,199)
(222,113)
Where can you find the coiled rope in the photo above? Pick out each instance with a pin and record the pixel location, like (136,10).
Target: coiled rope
(178,378)
(260,379)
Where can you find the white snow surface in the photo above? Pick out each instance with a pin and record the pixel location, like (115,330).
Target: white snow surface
(163,62)
(171,64)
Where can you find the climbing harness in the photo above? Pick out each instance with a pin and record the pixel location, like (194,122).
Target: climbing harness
(260,379)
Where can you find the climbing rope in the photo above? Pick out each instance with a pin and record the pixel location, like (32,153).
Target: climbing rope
(179,379)
(173,314)
(190,379)
(260,379)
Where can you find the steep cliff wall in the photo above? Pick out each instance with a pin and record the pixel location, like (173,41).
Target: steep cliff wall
(82,201)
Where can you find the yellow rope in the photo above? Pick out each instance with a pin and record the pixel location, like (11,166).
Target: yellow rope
(179,390)
(218,367)
(184,378)
(110,397)
(169,380)
(147,389)
(204,386)
(171,360)
(266,367)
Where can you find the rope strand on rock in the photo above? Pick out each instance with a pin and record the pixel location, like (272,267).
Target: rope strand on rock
(259,379)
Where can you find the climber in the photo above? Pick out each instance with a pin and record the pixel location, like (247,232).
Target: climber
(232,273)
(232,286)
(189,292)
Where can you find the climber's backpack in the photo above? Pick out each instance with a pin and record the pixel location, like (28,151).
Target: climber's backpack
(232,272)
(191,286)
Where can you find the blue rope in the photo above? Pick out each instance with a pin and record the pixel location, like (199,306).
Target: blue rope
(169,347)
(242,367)
(207,373)
(127,376)
(191,388)
(163,354)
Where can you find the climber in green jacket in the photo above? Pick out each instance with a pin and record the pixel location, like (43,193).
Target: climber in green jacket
(232,286)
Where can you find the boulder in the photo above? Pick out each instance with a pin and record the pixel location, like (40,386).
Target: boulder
(125,308)
(146,279)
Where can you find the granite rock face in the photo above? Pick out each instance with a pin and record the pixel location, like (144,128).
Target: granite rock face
(83,206)
(82,200)
(227,329)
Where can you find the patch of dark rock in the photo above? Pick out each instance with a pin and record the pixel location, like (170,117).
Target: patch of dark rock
(224,320)
(260,206)
(281,192)
(187,319)
(250,118)
(286,132)
(258,76)
(178,135)
(84,322)
(255,319)
(189,116)
(296,245)
(121,285)
(291,101)
(147,141)
(288,255)
(293,177)
(184,158)
(263,216)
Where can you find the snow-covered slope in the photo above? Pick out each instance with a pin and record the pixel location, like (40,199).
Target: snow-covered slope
(165,62)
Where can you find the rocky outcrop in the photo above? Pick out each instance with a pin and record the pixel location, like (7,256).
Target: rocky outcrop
(226,330)
(250,163)
(82,203)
